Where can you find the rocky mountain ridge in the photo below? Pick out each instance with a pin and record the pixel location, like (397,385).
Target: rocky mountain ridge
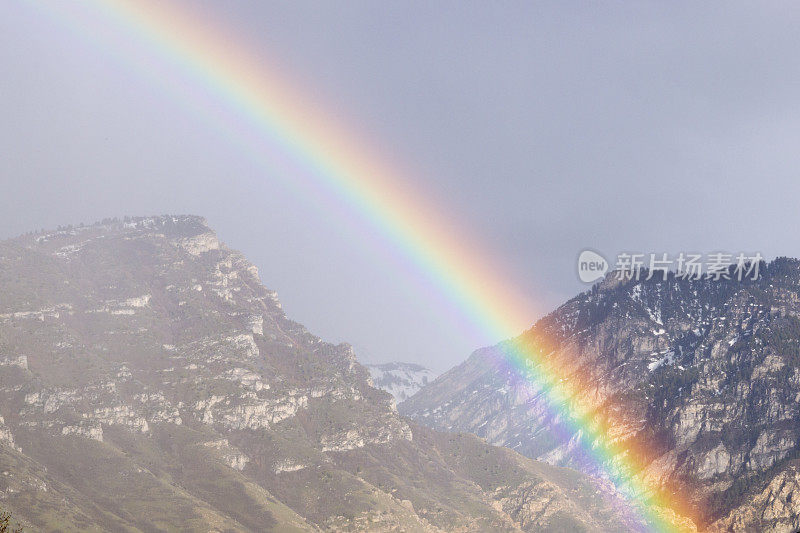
(708,373)
(149,382)
(401,380)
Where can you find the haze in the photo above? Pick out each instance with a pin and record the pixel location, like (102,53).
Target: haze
(545,128)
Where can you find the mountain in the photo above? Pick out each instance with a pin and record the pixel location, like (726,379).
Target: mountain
(401,380)
(150,382)
(708,373)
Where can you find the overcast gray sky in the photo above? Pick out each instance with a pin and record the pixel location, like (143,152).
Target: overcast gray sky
(546,127)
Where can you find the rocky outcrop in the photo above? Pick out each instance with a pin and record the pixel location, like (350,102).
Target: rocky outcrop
(775,509)
(148,380)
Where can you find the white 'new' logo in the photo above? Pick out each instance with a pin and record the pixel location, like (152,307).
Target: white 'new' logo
(591,266)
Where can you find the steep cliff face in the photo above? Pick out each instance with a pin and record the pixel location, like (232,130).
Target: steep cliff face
(708,373)
(149,381)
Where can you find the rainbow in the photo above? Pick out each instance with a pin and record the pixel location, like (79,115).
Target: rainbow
(355,174)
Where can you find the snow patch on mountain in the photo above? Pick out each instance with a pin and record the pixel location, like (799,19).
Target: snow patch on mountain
(401,380)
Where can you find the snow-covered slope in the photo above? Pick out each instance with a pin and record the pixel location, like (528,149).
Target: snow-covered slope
(401,380)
